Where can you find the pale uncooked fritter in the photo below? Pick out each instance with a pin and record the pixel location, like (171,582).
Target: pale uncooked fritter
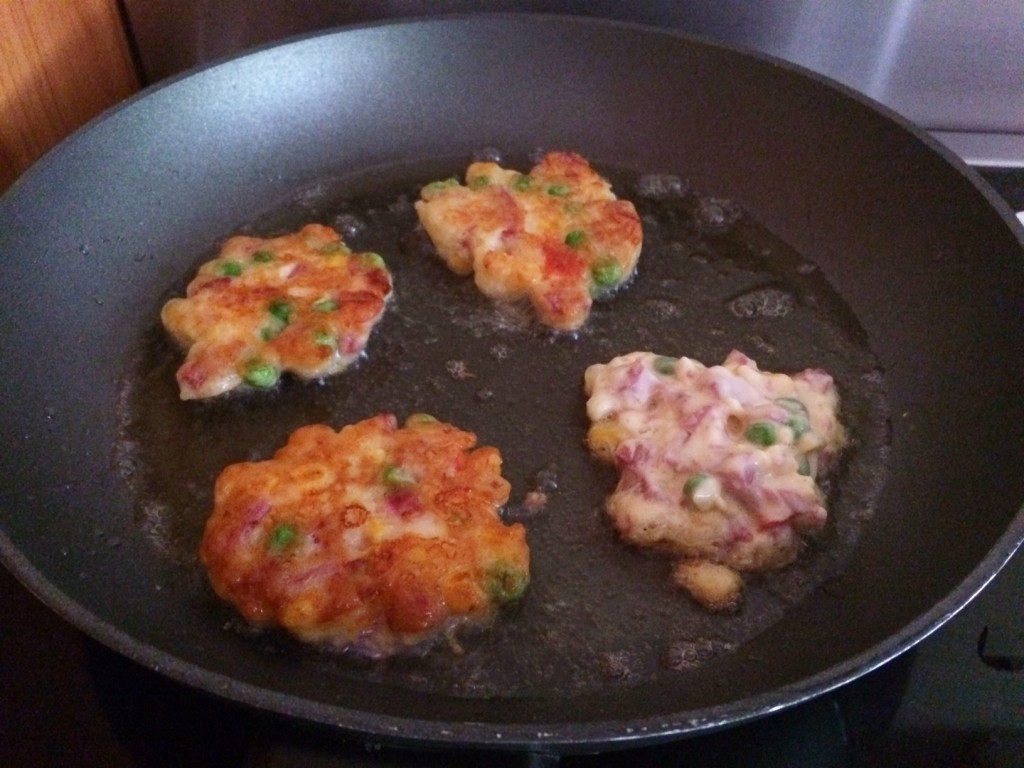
(556,236)
(373,539)
(302,303)
(718,464)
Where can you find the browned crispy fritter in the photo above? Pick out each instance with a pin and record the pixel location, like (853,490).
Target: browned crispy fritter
(556,236)
(373,538)
(302,303)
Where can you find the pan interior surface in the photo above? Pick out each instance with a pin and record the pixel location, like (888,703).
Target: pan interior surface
(857,235)
(599,615)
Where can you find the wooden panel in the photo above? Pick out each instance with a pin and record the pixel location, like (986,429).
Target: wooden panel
(62,62)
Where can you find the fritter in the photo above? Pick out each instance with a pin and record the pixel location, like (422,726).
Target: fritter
(302,303)
(371,539)
(556,236)
(718,465)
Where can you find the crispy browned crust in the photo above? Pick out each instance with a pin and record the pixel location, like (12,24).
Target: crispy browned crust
(302,303)
(374,537)
(556,236)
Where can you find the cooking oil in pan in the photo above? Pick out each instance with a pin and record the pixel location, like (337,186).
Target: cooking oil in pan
(598,612)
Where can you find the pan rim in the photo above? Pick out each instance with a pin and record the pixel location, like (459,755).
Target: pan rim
(564,737)
(1006,213)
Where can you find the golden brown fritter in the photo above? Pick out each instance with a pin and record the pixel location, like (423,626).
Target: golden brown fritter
(302,303)
(373,538)
(556,236)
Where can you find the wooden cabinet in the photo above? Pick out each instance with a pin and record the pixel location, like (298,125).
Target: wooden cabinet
(62,62)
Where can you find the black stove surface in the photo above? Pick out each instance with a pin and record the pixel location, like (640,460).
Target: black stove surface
(956,699)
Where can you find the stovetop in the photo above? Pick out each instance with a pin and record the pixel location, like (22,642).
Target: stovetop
(956,699)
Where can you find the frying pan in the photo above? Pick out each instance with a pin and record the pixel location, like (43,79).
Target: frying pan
(862,247)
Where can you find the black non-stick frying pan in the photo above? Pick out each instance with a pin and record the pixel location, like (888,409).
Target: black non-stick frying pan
(783,216)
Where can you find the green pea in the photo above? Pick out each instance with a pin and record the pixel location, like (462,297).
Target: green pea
(260,374)
(692,483)
(559,190)
(521,183)
(420,418)
(702,490)
(437,186)
(761,433)
(280,312)
(374,260)
(506,583)
(282,537)
(394,477)
(575,238)
(325,305)
(666,366)
(262,257)
(325,339)
(231,269)
(799,419)
(478,182)
(606,273)
(282,309)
